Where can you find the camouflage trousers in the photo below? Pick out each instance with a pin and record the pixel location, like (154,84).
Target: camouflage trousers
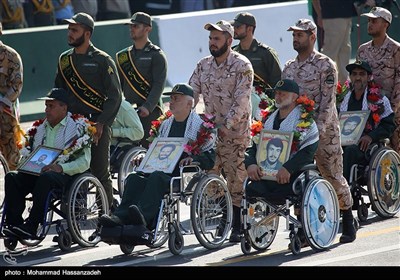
(230,161)
(395,140)
(330,163)
(8,146)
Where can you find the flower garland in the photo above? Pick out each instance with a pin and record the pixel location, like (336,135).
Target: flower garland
(374,100)
(306,119)
(86,130)
(193,147)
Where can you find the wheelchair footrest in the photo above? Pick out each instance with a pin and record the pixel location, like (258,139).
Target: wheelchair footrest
(127,234)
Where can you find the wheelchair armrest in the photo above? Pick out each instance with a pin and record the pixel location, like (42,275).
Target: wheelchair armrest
(308,167)
(385,141)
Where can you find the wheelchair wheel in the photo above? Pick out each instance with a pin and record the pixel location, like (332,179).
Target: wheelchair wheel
(10,243)
(3,171)
(65,241)
(320,214)
(87,201)
(127,249)
(245,244)
(295,244)
(127,167)
(175,241)
(261,231)
(384,182)
(211,210)
(362,212)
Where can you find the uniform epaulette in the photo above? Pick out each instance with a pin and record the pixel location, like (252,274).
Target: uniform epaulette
(153,47)
(262,45)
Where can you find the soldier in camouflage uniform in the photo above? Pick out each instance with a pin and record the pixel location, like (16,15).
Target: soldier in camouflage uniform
(316,75)
(90,75)
(143,71)
(383,55)
(264,59)
(225,80)
(11,79)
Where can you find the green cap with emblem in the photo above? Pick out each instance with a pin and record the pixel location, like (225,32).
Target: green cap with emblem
(140,17)
(183,89)
(287,85)
(359,64)
(244,18)
(81,18)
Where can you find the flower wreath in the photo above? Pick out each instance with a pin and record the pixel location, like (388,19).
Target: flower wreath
(86,130)
(306,117)
(374,100)
(193,147)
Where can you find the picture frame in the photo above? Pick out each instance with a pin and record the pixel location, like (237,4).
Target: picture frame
(163,155)
(352,124)
(273,151)
(39,158)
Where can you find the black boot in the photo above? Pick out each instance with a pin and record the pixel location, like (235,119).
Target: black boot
(235,235)
(348,229)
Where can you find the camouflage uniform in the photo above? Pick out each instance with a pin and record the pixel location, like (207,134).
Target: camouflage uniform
(385,64)
(226,90)
(317,77)
(11,80)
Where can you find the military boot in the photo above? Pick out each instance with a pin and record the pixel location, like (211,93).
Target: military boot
(348,230)
(235,235)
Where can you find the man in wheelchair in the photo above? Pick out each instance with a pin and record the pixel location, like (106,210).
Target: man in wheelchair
(380,124)
(290,116)
(143,192)
(72,135)
(365,95)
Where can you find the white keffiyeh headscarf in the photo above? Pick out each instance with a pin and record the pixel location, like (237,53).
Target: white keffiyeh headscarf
(64,138)
(386,103)
(289,124)
(193,125)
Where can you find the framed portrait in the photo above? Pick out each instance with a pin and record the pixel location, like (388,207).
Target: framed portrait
(352,125)
(39,158)
(163,155)
(273,151)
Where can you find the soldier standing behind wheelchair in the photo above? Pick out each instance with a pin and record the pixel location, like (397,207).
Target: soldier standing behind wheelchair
(317,77)
(58,130)
(100,97)
(287,117)
(365,95)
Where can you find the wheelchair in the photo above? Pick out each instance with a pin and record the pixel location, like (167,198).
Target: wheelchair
(79,208)
(313,197)
(210,212)
(121,155)
(3,171)
(379,180)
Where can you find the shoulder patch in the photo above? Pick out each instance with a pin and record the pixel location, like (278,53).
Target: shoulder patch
(248,72)
(110,70)
(330,79)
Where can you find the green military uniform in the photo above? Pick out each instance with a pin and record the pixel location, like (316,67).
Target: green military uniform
(151,63)
(98,72)
(264,60)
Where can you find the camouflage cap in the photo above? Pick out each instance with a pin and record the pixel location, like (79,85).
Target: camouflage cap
(244,18)
(221,25)
(304,25)
(81,18)
(140,17)
(379,12)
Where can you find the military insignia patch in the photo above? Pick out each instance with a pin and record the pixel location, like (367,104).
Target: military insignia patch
(330,79)
(110,70)
(248,72)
